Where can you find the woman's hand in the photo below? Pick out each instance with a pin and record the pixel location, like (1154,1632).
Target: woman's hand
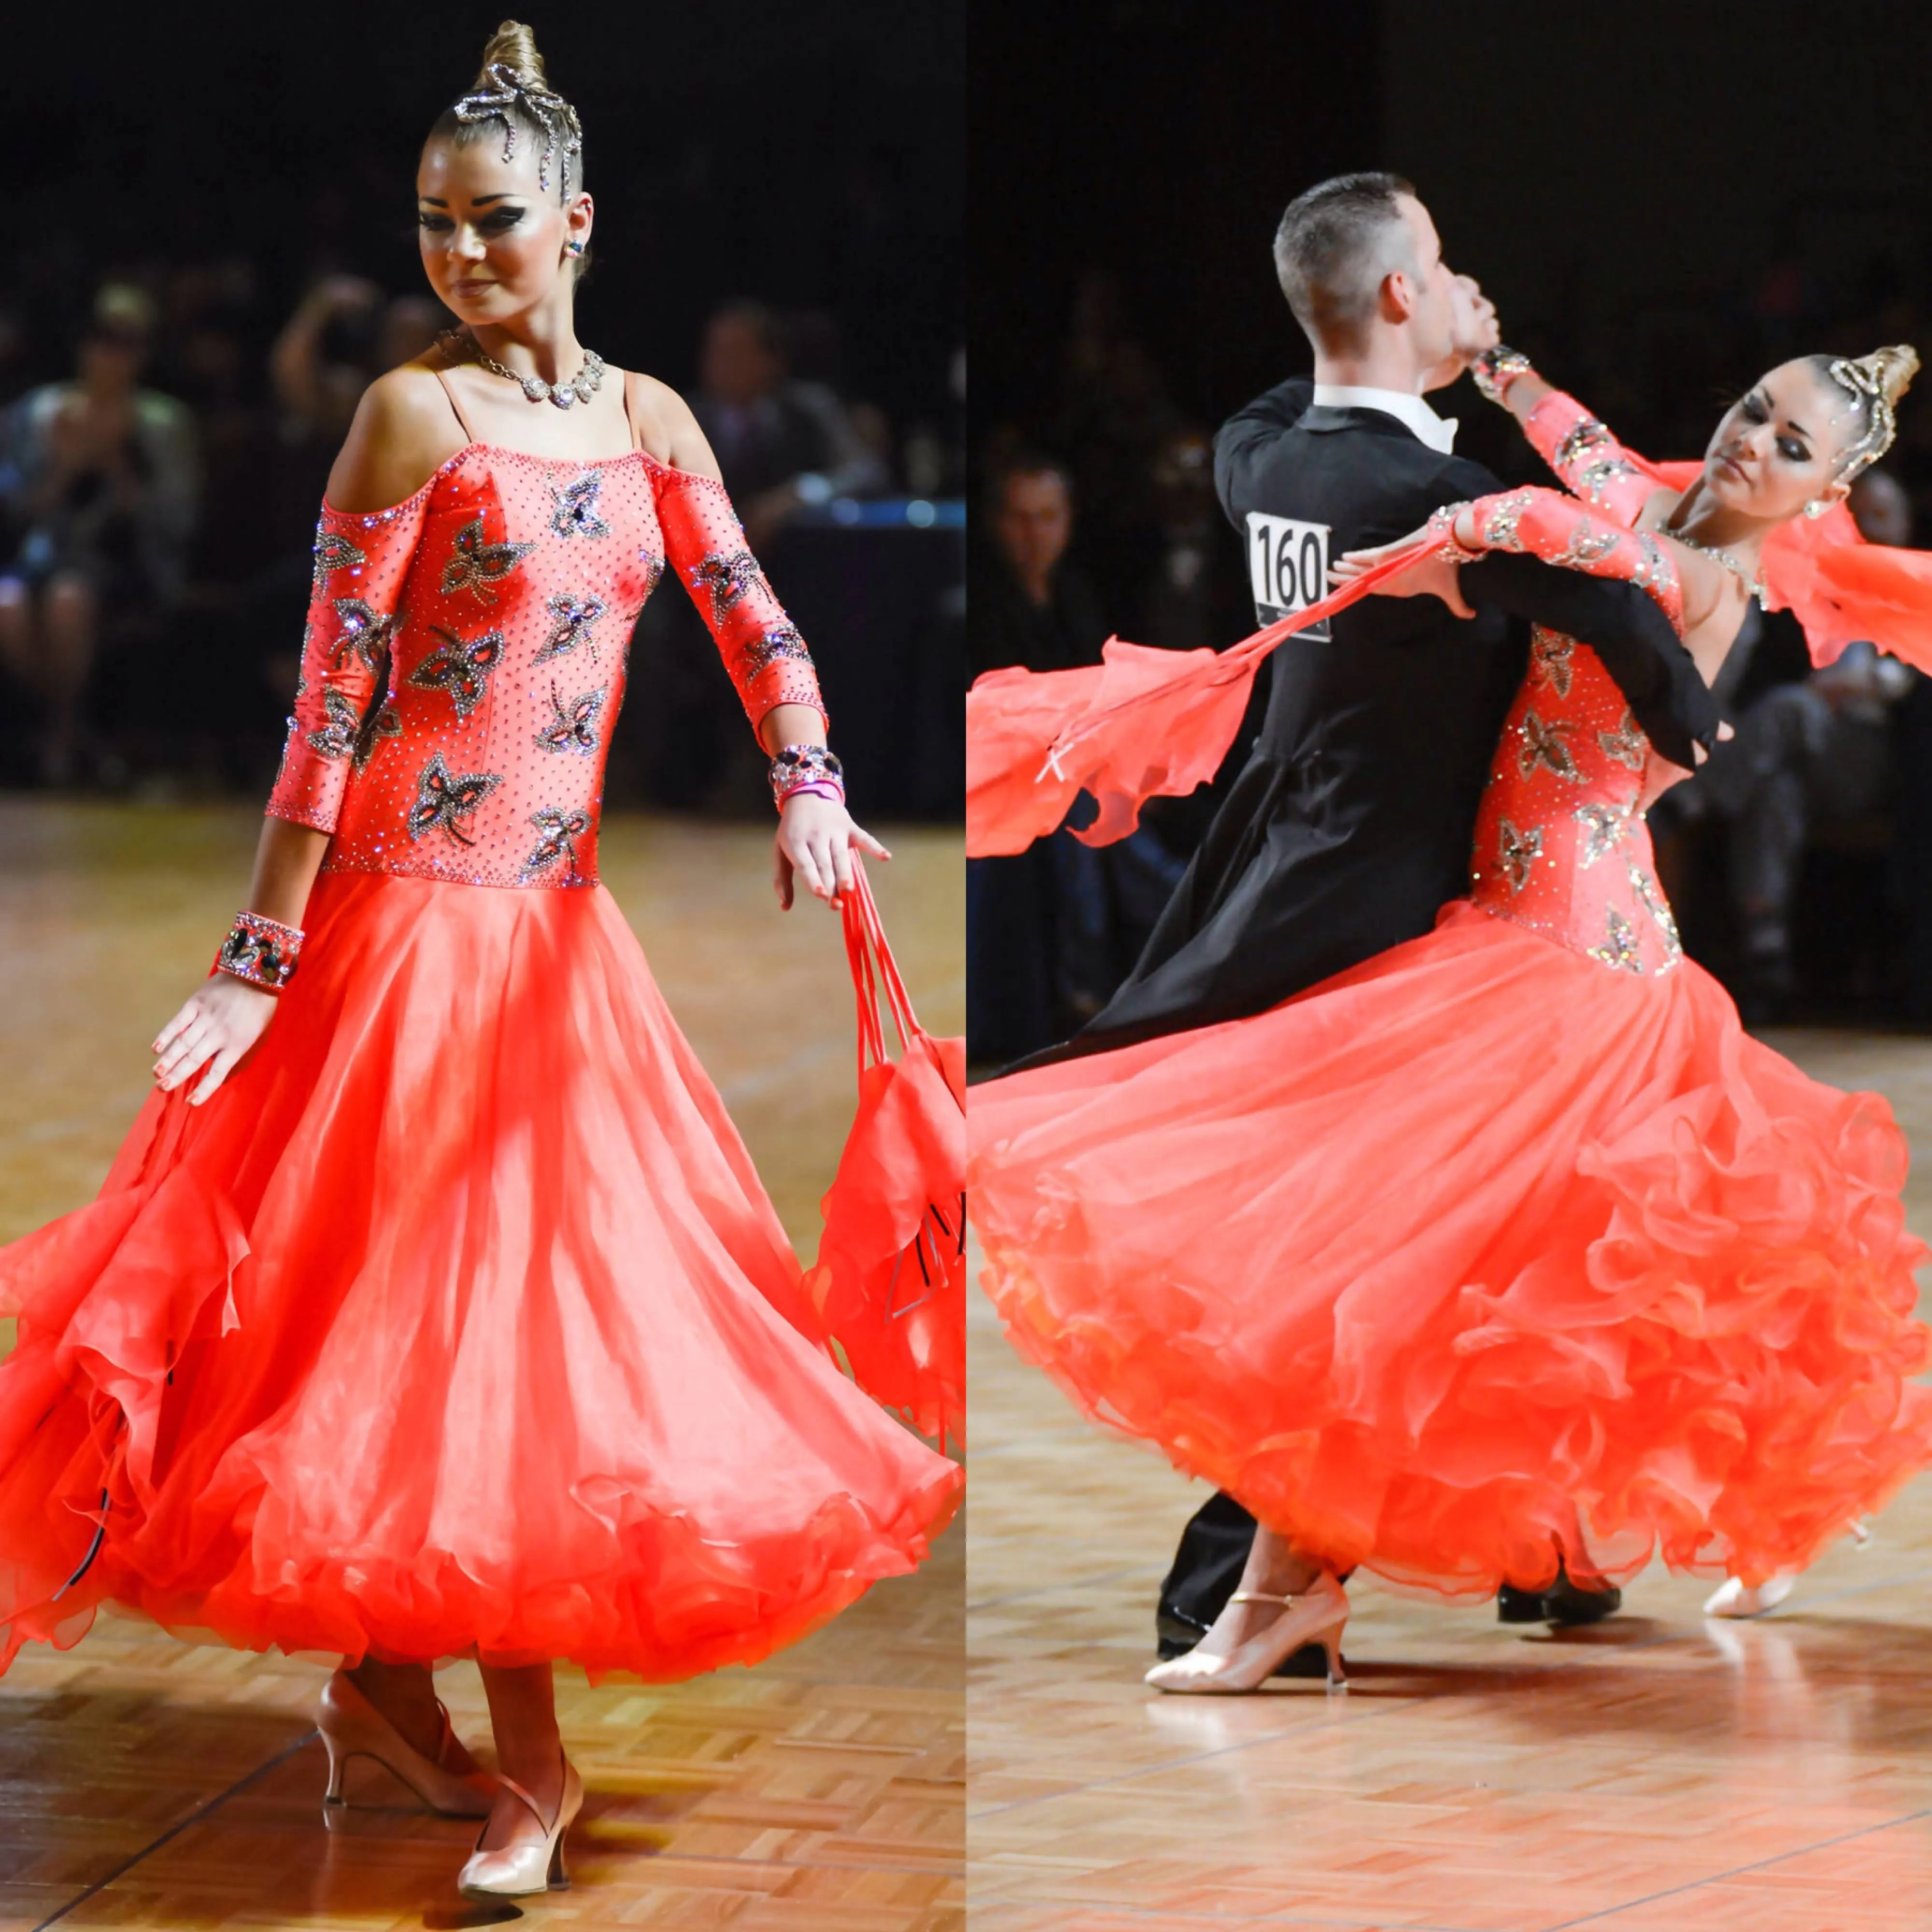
(1434,575)
(223,1018)
(816,836)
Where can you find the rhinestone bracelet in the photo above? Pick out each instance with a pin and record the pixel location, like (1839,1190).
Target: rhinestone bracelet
(806,768)
(1495,369)
(1442,526)
(262,951)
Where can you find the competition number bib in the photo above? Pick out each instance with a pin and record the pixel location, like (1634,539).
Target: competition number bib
(1287,565)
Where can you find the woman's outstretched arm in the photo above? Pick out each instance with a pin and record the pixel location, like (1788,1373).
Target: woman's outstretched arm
(1588,458)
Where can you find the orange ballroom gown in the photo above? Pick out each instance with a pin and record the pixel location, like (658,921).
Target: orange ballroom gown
(1510,1240)
(457,1321)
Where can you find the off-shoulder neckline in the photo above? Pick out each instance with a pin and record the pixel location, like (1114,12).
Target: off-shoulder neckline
(450,462)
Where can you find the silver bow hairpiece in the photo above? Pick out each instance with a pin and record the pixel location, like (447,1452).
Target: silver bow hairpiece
(1864,375)
(554,115)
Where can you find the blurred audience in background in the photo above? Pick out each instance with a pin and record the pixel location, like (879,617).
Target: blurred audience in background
(1800,860)
(101,482)
(161,465)
(1051,931)
(782,443)
(1811,770)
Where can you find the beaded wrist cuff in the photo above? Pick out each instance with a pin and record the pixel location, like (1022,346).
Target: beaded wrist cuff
(1442,526)
(1495,369)
(261,951)
(806,768)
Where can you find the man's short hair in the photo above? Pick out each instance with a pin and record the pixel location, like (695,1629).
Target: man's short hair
(1335,244)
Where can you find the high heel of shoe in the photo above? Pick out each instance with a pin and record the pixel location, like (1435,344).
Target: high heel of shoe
(351,1726)
(515,1871)
(1318,1614)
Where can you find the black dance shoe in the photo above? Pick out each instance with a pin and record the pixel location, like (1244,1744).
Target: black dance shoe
(1563,1602)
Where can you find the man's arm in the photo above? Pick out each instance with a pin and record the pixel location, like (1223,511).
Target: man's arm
(1249,434)
(1624,626)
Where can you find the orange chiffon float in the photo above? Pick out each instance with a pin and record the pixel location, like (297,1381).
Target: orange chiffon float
(457,1321)
(889,1283)
(1464,1242)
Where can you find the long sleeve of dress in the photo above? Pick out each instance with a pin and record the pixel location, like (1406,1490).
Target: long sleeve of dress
(1558,529)
(704,544)
(342,696)
(1593,465)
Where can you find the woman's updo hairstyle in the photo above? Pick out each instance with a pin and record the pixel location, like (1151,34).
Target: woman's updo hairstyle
(1874,382)
(511,98)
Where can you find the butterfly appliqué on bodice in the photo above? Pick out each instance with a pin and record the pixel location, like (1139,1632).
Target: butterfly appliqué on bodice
(465,659)
(1561,846)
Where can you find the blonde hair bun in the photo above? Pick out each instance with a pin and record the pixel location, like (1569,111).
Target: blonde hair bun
(1894,367)
(514,46)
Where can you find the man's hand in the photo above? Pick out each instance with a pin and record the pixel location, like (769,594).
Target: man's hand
(1659,774)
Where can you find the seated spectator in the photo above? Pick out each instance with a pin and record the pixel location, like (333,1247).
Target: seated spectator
(1031,604)
(780,444)
(102,477)
(1052,930)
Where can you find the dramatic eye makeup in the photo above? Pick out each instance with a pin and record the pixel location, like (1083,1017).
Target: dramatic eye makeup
(1756,408)
(434,217)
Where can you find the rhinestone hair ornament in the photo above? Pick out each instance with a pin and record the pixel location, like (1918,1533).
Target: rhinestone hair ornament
(1878,378)
(509,90)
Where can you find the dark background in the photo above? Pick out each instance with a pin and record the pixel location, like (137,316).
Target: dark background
(1663,201)
(808,154)
(1658,197)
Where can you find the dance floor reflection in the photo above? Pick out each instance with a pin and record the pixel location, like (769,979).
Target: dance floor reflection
(148,1782)
(1654,1774)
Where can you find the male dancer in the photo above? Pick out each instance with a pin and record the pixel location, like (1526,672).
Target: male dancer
(1352,821)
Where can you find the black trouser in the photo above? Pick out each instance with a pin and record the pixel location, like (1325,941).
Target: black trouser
(1206,1569)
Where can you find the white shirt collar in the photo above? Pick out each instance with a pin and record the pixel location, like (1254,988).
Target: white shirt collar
(1438,432)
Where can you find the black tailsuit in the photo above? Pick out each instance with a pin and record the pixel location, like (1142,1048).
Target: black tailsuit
(1350,825)
(1352,822)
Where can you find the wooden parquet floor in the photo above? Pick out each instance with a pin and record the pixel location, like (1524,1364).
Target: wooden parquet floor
(148,1782)
(1657,1774)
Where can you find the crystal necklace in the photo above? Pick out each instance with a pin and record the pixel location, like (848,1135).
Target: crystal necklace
(586,383)
(1753,585)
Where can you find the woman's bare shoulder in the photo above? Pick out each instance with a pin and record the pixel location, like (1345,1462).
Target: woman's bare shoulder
(404,431)
(669,429)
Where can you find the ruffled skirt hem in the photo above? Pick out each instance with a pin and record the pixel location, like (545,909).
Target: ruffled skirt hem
(1480,1252)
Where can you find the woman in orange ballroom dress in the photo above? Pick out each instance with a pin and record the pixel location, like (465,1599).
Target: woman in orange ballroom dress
(1509,1246)
(433,1307)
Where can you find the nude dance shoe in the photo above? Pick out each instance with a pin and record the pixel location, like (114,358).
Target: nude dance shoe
(1316,1615)
(1734,1597)
(351,1726)
(514,1871)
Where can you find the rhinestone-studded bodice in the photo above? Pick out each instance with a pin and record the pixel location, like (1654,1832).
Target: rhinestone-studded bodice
(465,657)
(1561,846)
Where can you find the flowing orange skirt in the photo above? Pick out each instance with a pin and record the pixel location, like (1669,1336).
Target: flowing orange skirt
(457,1321)
(1465,1245)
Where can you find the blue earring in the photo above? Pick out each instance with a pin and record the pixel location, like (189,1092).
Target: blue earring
(574,247)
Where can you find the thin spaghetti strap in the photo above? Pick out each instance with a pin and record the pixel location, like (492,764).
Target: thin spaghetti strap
(631,408)
(469,434)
